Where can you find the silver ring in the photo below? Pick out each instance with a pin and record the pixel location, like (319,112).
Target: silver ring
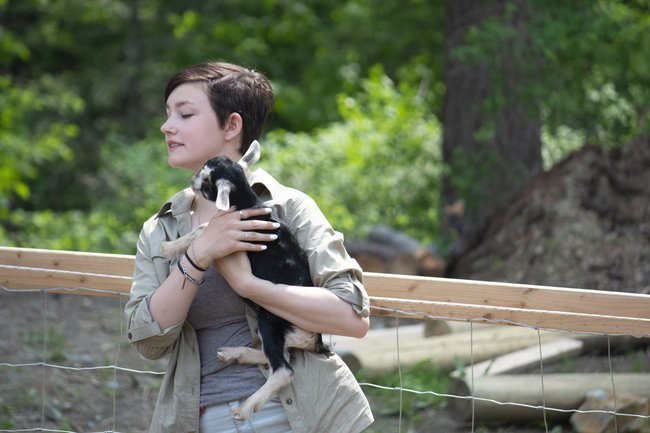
(245,236)
(241,214)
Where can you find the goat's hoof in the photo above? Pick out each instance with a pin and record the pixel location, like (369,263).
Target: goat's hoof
(169,250)
(244,412)
(229,354)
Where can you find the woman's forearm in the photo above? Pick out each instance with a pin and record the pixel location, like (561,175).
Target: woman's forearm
(314,309)
(172,300)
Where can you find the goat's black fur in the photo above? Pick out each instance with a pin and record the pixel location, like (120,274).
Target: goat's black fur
(282,262)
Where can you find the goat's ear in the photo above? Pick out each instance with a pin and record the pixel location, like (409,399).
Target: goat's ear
(251,156)
(223,194)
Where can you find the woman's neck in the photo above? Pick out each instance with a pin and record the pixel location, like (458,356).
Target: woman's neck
(202,210)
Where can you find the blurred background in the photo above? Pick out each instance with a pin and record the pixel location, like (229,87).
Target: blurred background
(497,140)
(421,119)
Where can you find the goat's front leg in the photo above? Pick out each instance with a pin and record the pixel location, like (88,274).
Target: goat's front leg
(241,355)
(172,249)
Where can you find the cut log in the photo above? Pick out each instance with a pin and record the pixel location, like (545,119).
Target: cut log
(550,350)
(604,422)
(433,328)
(561,391)
(378,350)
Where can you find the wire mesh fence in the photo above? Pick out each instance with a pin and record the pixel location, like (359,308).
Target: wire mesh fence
(67,366)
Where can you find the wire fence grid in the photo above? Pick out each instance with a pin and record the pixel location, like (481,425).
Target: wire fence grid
(113,365)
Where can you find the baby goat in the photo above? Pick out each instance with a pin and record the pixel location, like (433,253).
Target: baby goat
(224,181)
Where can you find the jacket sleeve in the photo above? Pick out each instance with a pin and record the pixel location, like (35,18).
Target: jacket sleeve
(330,264)
(151,269)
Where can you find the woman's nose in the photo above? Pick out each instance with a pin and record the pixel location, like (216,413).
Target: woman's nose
(166,129)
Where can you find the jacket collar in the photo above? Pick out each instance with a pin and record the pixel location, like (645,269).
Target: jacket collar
(178,204)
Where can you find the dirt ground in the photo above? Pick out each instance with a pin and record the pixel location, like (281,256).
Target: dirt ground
(82,331)
(584,224)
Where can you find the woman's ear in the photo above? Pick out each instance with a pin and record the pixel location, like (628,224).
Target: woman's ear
(233,127)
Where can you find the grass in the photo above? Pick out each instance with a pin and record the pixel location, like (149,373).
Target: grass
(7,422)
(423,377)
(54,341)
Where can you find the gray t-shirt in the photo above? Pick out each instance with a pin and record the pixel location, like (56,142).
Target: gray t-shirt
(218,317)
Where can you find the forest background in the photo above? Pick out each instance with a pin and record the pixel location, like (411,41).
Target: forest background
(386,111)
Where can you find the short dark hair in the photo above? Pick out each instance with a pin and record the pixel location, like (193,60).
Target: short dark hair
(232,89)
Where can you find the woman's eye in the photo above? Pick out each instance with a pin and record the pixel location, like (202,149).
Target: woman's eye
(186,116)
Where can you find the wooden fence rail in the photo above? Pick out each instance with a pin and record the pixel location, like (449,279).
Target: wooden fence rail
(602,312)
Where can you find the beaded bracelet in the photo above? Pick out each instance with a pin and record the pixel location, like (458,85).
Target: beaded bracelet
(187,276)
(194,265)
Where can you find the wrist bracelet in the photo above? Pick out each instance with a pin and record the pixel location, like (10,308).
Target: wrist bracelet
(194,265)
(187,276)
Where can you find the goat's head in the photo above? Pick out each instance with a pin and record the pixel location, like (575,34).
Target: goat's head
(220,176)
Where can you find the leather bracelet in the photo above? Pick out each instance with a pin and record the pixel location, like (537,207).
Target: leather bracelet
(194,265)
(187,276)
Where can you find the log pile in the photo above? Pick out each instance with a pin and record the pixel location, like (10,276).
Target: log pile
(621,403)
(557,397)
(565,391)
(378,350)
(495,360)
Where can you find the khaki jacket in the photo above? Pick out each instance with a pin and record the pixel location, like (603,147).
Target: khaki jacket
(324,395)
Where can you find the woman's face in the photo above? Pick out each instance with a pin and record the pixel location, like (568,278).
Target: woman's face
(192,130)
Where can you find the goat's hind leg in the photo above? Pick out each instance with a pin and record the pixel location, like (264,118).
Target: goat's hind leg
(274,334)
(276,380)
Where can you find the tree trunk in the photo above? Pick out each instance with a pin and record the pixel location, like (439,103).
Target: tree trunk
(491,153)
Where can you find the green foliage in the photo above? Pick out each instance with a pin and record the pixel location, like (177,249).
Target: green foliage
(98,231)
(134,182)
(310,49)
(363,165)
(81,94)
(33,131)
(137,179)
(379,165)
(579,65)
(601,77)
(555,146)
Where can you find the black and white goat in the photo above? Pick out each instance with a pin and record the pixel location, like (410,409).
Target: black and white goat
(224,181)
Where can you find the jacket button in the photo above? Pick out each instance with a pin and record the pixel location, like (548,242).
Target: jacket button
(129,336)
(289,401)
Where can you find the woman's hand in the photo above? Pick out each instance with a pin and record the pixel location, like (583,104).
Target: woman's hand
(229,232)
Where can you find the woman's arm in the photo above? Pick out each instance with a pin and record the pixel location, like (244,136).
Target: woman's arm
(314,309)
(224,234)
(337,304)
(171,302)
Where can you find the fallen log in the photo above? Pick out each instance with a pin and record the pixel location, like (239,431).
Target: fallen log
(565,392)
(550,351)
(584,422)
(378,351)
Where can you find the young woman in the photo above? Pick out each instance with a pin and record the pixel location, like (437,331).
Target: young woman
(219,109)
